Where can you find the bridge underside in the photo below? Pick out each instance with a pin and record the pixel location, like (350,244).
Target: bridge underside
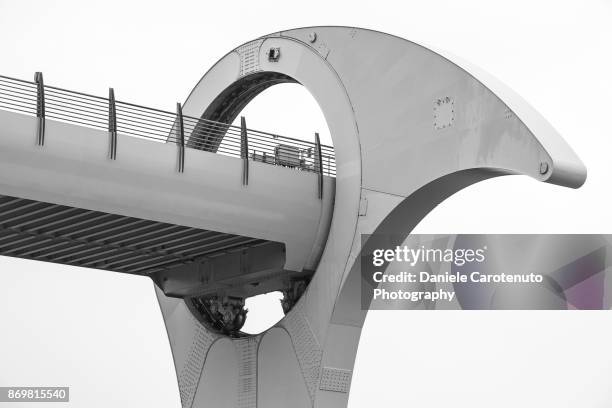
(183,261)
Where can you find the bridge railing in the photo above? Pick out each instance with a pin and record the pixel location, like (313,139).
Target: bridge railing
(162,126)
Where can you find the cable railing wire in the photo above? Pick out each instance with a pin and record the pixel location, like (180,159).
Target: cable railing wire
(161,126)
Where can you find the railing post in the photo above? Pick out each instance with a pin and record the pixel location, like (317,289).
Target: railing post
(319,165)
(112,123)
(181,138)
(244,151)
(40,108)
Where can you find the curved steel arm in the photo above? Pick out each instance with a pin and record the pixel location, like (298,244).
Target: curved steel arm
(410,127)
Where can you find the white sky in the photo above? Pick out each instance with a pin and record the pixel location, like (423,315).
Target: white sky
(102,334)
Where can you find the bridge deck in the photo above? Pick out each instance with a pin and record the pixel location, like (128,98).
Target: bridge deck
(67,201)
(75,236)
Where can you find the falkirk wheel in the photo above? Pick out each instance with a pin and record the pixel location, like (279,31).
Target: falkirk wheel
(410,127)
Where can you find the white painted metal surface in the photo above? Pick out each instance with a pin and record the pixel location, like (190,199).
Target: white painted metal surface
(396,161)
(410,128)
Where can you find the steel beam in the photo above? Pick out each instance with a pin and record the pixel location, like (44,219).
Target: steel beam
(112,124)
(40,108)
(180,138)
(244,151)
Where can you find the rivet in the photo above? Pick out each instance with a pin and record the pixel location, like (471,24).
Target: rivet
(312,37)
(543,168)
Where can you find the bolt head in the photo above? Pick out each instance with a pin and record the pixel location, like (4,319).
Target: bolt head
(543,168)
(312,37)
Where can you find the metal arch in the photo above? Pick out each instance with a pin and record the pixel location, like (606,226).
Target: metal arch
(404,141)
